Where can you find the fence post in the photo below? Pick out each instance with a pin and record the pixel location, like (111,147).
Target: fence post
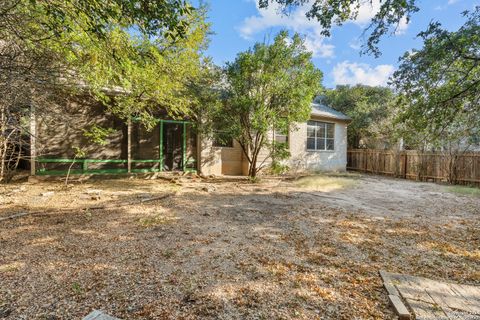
(466,165)
(129,144)
(366,159)
(33,135)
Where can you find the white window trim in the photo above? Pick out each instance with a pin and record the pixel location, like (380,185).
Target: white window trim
(223,147)
(286,135)
(220,147)
(316,138)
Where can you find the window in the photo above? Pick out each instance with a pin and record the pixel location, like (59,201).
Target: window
(320,135)
(280,137)
(221,141)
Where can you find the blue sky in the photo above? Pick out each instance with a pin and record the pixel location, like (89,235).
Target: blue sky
(238,24)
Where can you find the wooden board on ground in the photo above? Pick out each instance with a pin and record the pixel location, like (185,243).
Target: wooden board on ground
(99,315)
(399,307)
(430,299)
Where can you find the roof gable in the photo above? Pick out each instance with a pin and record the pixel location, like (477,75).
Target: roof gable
(321,110)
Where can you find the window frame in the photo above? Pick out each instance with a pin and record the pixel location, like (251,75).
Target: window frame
(317,135)
(276,134)
(227,144)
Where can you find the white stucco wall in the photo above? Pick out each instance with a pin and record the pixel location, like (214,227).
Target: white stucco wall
(231,161)
(209,158)
(305,160)
(220,160)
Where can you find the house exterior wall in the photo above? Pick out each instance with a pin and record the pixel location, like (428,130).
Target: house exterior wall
(58,135)
(221,160)
(231,161)
(60,131)
(305,160)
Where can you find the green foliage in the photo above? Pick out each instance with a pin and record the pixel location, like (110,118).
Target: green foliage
(79,152)
(269,86)
(278,167)
(336,12)
(152,18)
(254,179)
(280,150)
(464,190)
(98,134)
(135,55)
(204,94)
(156,220)
(146,74)
(371,110)
(77,289)
(440,85)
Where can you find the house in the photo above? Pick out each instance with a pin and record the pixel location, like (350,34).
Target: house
(171,144)
(317,145)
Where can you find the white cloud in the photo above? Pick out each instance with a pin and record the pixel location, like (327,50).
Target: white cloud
(369,9)
(353,73)
(311,29)
(355,44)
(319,48)
(444,7)
(402,27)
(296,21)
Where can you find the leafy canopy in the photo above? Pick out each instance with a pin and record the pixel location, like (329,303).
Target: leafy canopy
(270,86)
(152,18)
(336,12)
(136,55)
(146,74)
(371,110)
(440,83)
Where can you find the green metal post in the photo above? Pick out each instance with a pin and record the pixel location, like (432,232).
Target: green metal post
(184,149)
(85,167)
(161,145)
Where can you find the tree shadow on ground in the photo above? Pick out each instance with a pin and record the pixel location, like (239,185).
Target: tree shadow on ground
(245,253)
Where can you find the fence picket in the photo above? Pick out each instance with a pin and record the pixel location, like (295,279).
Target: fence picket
(415,165)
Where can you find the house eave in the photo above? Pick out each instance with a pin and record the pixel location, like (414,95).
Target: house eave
(327,118)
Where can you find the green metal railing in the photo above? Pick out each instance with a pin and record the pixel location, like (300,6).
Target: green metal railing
(86,170)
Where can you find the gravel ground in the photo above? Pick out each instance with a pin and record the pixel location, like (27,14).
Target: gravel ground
(226,248)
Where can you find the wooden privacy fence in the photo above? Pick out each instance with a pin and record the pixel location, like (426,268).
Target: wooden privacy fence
(461,168)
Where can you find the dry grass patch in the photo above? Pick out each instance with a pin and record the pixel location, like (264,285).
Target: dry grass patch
(240,251)
(327,182)
(11,267)
(156,220)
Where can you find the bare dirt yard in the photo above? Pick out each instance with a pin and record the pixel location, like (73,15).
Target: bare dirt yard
(307,248)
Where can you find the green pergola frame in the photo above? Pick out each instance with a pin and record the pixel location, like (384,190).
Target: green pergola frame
(85,162)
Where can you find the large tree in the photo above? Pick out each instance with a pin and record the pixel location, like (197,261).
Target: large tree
(53,48)
(371,110)
(57,17)
(440,84)
(388,17)
(269,87)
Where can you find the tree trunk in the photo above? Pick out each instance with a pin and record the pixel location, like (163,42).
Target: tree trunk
(252,171)
(69,170)
(3,144)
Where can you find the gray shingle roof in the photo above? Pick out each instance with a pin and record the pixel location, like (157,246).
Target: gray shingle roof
(327,112)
